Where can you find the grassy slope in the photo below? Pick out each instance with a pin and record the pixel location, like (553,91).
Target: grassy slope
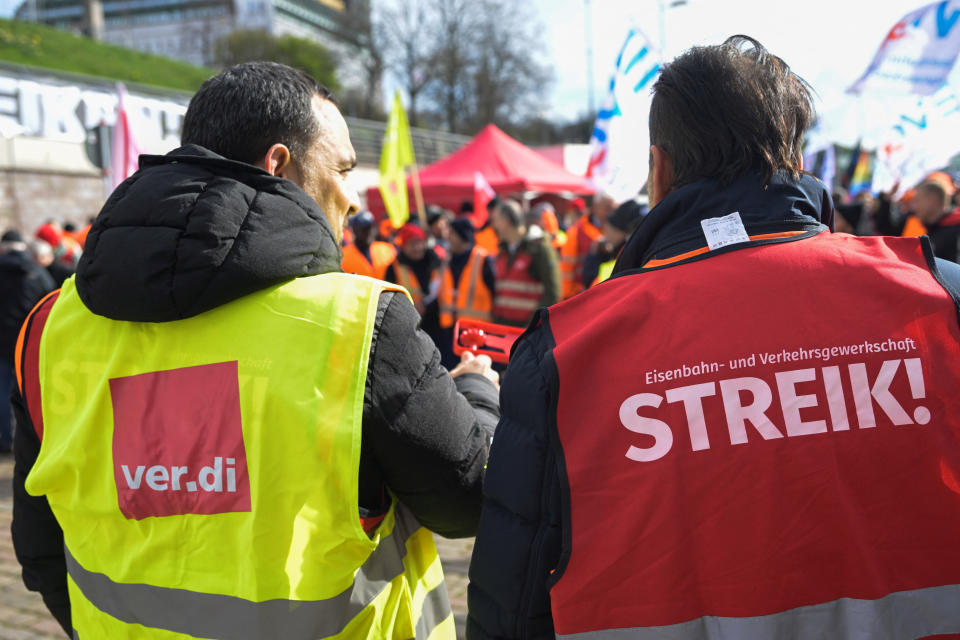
(39,46)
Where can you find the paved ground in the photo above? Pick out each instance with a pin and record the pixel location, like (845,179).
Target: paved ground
(24,617)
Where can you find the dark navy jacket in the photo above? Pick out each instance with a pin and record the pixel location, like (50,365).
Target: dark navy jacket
(520,537)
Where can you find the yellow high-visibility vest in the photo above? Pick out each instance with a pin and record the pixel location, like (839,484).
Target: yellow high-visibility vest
(205,473)
(605,271)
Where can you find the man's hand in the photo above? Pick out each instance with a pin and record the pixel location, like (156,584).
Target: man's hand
(480,364)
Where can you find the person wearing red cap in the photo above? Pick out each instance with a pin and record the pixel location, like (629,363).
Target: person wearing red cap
(65,248)
(417,269)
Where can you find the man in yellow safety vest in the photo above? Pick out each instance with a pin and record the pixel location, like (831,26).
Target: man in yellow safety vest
(220,434)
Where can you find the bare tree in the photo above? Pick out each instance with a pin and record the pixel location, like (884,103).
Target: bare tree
(452,57)
(358,20)
(403,29)
(469,62)
(508,81)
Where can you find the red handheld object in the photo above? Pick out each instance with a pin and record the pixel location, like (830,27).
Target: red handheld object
(493,340)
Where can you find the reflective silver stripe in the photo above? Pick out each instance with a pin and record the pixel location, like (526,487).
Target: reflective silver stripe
(517,303)
(208,615)
(904,615)
(436,609)
(520,287)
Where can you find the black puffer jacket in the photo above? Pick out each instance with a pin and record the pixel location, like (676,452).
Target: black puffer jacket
(22,284)
(191,231)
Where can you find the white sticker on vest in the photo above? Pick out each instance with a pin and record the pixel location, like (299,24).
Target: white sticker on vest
(721,232)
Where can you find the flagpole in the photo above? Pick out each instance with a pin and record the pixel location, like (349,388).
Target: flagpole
(418,195)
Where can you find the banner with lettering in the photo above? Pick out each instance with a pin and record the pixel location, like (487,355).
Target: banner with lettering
(918,53)
(620,144)
(921,139)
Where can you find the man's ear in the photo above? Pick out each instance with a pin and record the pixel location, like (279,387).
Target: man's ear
(661,175)
(277,161)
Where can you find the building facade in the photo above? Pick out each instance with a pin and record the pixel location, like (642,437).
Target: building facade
(188,30)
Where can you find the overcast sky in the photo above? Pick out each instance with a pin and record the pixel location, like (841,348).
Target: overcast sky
(827,42)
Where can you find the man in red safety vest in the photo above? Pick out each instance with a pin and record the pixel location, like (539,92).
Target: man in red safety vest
(527,274)
(752,429)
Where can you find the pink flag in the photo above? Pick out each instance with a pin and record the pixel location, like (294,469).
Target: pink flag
(482,194)
(125,154)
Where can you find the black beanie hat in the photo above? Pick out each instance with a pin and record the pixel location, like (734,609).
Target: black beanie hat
(12,235)
(626,217)
(463,227)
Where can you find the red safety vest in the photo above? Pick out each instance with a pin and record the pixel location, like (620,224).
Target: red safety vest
(517,293)
(468,298)
(761,444)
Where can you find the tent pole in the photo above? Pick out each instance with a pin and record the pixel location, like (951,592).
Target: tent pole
(418,196)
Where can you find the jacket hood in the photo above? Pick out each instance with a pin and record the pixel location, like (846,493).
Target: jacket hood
(673,226)
(191,231)
(16,262)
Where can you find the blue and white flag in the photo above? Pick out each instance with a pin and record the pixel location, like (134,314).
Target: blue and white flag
(921,139)
(917,54)
(620,144)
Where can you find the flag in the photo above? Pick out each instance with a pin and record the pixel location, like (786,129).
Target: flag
(620,144)
(124,154)
(822,163)
(861,178)
(920,139)
(483,193)
(917,54)
(397,155)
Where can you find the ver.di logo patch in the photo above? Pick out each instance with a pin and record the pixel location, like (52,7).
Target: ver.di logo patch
(178,442)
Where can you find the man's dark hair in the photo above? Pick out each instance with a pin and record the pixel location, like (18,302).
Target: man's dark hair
(730,109)
(512,211)
(245,109)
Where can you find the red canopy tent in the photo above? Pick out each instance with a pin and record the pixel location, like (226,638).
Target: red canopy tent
(507,165)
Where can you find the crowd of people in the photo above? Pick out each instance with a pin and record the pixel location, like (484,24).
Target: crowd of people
(30,268)
(522,257)
(930,208)
(724,420)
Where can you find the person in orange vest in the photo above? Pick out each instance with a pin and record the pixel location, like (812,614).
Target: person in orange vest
(580,237)
(542,215)
(930,214)
(598,265)
(527,273)
(468,284)
(486,237)
(367,256)
(417,269)
(752,430)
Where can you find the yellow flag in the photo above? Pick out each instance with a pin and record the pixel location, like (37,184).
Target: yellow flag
(396,156)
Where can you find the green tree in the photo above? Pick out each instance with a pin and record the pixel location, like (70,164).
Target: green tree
(300,53)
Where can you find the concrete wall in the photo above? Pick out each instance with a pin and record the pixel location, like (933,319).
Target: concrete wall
(42,179)
(29,198)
